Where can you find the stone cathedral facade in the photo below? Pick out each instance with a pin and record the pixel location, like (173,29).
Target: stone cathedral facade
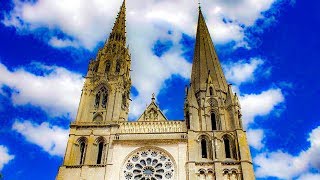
(209,144)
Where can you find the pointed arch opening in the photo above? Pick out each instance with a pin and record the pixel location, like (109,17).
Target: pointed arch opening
(101,98)
(188,120)
(82,142)
(108,65)
(211,91)
(213,121)
(204,152)
(118,67)
(100,150)
(229,147)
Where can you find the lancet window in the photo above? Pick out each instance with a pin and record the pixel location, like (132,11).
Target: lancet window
(82,150)
(229,147)
(204,151)
(213,121)
(100,148)
(188,119)
(118,66)
(108,65)
(211,91)
(101,98)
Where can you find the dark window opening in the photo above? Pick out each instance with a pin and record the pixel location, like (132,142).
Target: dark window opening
(211,91)
(118,67)
(227,147)
(108,65)
(104,100)
(188,120)
(97,102)
(82,152)
(204,148)
(100,150)
(213,122)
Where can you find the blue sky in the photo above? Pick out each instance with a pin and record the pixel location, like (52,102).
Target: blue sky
(269,50)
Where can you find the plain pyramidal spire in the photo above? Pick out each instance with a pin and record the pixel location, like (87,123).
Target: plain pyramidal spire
(205,60)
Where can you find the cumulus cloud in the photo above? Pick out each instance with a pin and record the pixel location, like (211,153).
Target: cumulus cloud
(241,71)
(56,91)
(86,23)
(255,138)
(283,165)
(55,137)
(5,157)
(262,104)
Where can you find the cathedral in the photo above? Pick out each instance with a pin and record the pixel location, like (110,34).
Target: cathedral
(208,144)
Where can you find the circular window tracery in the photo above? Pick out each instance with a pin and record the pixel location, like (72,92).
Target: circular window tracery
(149,164)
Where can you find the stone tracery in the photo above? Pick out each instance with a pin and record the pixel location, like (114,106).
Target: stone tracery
(149,164)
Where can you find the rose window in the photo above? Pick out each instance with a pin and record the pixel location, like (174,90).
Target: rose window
(149,165)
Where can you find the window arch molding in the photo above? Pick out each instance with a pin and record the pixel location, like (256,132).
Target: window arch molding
(229,146)
(100,143)
(80,153)
(214,112)
(98,117)
(101,94)
(205,146)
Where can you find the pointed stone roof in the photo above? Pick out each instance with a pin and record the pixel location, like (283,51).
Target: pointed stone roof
(205,60)
(152,113)
(119,29)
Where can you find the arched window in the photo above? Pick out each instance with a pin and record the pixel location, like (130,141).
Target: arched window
(188,120)
(118,66)
(97,101)
(124,100)
(104,100)
(108,65)
(204,152)
(227,147)
(213,121)
(100,151)
(101,98)
(211,91)
(82,150)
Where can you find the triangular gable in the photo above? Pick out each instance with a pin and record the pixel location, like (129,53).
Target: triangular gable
(152,113)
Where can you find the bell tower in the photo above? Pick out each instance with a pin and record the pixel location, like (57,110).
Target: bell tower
(103,106)
(105,95)
(217,144)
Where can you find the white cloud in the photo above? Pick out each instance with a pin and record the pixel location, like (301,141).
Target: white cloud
(286,166)
(61,43)
(309,176)
(241,71)
(51,139)
(262,104)
(87,23)
(255,138)
(57,91)
(5,157)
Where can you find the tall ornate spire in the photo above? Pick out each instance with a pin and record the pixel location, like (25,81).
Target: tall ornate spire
(119,29)
(205,61)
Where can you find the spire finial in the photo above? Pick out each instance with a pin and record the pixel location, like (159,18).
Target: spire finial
(153,97)
(199,3)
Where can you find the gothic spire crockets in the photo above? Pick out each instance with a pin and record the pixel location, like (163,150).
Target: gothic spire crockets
(119,29)
(205,61)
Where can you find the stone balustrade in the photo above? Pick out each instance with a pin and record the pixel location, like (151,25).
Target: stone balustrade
(152,127)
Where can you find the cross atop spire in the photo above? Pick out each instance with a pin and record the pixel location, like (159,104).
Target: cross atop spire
(205,61)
